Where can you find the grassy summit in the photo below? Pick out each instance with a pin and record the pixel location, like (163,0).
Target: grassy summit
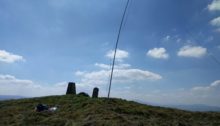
(79,110)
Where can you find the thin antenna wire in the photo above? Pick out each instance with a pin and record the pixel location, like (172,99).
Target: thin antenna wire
(214,58)
(126,15)
(116,46)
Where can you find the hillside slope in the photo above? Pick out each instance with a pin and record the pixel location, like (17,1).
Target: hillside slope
(79,110)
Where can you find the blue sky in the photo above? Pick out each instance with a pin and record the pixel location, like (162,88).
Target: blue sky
(168,50)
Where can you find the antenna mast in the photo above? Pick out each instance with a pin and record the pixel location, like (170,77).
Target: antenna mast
(116,46)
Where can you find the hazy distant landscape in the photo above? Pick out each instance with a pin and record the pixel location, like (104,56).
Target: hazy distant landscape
(9,97)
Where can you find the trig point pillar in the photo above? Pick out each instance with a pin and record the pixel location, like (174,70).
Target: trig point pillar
(71,89)
(95,92)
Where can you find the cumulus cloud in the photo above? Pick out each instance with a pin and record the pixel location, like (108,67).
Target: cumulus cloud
(105,66)
(215,22)
(202,94)
(101,77)
(10,85)
(217,30)
(120,55)
(9,79)
(208,95)
(214,6)
(8,57)
(167,38)
(123,73)
(87,80)
(209,88)
(192,51)
(158,53)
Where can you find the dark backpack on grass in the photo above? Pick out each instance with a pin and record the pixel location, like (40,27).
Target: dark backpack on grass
(41,107)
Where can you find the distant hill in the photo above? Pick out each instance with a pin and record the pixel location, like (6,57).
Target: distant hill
(196,107)
(193,107)
(85,111)
(9,97)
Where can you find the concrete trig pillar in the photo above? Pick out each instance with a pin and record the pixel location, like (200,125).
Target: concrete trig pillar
(95,92)
(71,89)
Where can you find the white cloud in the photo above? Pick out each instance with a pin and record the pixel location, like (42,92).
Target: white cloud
(119,66)
(8,57)
(158,53)
(120,55)
(8,79)
(192,51)
(215,83)
(214,6)
(209,88)
(124,75)
(215,22)
(178,40)
(167,38)
(103,66)
(208,95)
(200,95)
(217,30)
(135,75)
(10,85)
(79,73)
(173,39)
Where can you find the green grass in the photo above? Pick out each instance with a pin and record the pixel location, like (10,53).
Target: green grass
(85,111)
